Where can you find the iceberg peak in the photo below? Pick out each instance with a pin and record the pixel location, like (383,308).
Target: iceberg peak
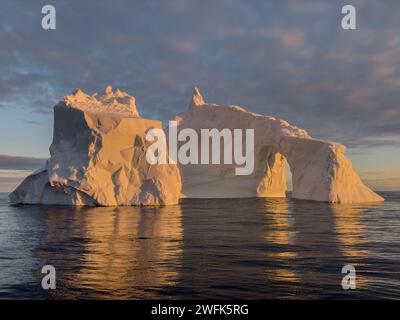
(108,90)
(197,98)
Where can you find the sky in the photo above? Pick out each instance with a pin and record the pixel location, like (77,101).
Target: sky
(288,59)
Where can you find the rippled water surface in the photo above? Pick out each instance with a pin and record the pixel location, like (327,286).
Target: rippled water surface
(228,248)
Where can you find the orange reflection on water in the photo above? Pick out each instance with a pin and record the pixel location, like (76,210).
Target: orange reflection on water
(352,235)
(278,233)
(350,230)
(123,251)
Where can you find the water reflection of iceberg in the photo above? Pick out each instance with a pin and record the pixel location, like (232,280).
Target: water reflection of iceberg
(279,235)
(309,243)
(123,252)
(350,229)
(217,248)
(330,236)
(353,237)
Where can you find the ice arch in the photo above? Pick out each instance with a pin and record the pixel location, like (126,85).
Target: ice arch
(320,171)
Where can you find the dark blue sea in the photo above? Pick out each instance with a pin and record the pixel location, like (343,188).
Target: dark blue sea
(199,249)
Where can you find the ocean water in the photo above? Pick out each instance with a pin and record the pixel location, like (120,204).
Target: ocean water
(225,248)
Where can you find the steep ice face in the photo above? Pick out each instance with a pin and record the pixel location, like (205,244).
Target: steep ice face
(98,157)
(112,102)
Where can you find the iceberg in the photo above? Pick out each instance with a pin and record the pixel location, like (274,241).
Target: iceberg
(320,170)
(98,157)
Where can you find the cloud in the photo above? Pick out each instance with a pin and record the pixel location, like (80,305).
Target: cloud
(9,184)
(20,163)
(287,59)
(383,184)
(14,169)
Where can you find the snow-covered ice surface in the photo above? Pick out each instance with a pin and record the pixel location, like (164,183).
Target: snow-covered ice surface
(98,157)
(118,102)
(320,170)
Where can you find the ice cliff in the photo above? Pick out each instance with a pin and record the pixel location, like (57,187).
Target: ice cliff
(98,157)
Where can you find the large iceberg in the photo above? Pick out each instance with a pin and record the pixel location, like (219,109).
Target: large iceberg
(98,157)
(320,170)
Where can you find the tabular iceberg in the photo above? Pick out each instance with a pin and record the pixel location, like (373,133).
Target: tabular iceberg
(98,157)
(320,171)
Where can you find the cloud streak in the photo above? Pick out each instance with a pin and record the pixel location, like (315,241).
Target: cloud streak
(20,163)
